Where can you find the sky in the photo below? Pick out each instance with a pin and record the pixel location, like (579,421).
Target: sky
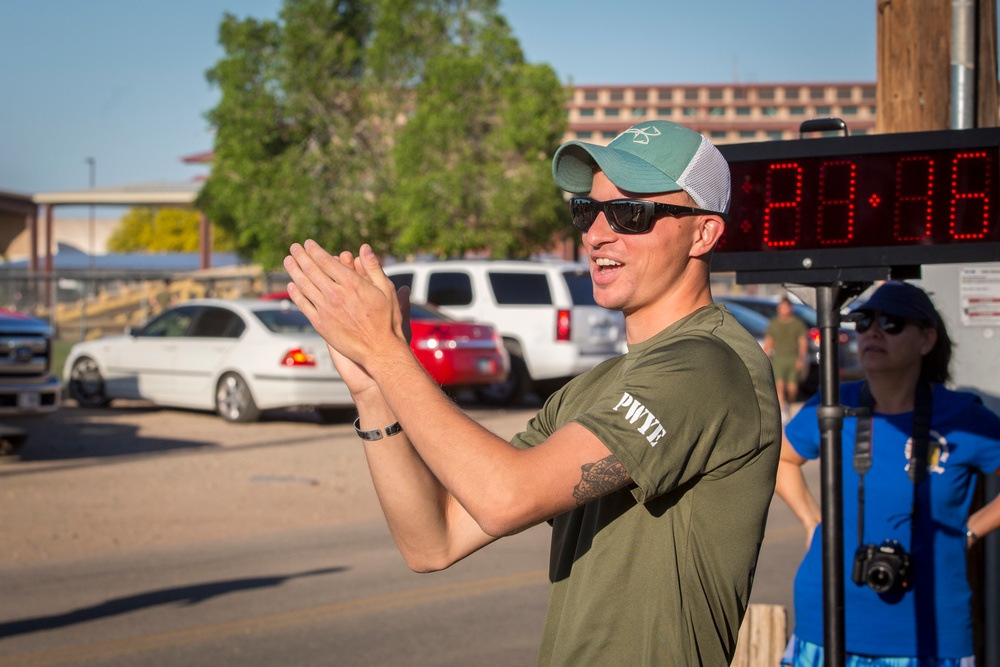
(122,83)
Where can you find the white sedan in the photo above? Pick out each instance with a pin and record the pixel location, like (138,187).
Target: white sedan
(236,357)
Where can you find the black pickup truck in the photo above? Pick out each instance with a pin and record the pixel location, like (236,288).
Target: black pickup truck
(27,384)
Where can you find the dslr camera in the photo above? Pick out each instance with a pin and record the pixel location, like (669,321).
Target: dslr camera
(883,568)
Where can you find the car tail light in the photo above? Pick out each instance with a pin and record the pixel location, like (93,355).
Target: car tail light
(438,338)
(298,357)
(842,336)
(562,325)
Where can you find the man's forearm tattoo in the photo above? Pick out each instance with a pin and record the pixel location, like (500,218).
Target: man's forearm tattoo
(600,479)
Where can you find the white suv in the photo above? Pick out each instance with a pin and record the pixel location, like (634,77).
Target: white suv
(544,310)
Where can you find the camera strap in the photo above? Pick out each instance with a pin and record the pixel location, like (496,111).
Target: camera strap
(919,442)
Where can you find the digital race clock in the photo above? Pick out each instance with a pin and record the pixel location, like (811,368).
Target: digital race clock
(850,203)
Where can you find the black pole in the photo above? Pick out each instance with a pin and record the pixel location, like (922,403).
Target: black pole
(831,418)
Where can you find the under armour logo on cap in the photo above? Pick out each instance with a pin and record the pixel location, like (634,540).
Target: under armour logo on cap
(642,134)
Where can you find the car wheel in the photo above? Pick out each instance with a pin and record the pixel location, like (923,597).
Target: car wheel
(509,391)
(233,400)
(86,385)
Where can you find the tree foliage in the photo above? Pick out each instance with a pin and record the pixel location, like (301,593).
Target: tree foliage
(163,230)
(413,125)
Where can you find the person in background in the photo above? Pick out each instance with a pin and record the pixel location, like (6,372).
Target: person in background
(907,490)
(786,343)
(655,469)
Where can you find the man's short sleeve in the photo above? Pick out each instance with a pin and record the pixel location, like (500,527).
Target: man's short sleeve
(681,411)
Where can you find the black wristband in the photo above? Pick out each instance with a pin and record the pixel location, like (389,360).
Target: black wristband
(376,434)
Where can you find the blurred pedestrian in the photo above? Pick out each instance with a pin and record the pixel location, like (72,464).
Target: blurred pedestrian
(786,342)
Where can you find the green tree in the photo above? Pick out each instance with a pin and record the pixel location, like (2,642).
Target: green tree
(164,230)
(474,157)
(413,125)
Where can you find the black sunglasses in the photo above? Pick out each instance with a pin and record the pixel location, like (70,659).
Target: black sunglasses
(628,216)
(889,324)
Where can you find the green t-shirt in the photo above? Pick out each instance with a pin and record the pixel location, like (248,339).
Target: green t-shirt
(660,573)
(785,335)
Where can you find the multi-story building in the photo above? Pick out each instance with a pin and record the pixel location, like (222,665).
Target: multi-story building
(725,113)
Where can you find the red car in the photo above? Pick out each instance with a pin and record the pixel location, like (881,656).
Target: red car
(456,353)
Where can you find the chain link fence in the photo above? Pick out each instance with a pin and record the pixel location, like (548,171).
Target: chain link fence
(82,305)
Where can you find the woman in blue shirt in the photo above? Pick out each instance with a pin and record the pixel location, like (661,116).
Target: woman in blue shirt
(910,605)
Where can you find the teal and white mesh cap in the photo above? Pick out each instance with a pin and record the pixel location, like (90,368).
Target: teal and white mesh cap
(649,158)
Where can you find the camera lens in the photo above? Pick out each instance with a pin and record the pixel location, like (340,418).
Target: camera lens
(881,578)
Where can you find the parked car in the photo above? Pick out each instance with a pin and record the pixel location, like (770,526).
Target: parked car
(459,354)
(27,385)
(544,310)
(850,365)
(236,357)
(750,320)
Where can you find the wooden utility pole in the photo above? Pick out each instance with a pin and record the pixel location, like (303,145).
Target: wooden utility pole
(913,93)
(913,89)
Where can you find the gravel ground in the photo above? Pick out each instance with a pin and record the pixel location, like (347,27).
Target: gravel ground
(91,481)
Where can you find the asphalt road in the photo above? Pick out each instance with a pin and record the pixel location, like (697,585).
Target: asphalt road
(159,537)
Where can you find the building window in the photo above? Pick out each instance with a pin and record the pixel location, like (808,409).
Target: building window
(715,93)
(817,93)
(690,111)
(871,110)
(868,93)
(797,111)
(850,110)
(664,111)
(590,96)
(609,135)
(638,112)
(717,111)
(739,93)
(584,135)
(640,95)
(792,93)
(845,93)
(824,111)
(587,112)
(769,111)
(765,93)
(612,113)
(857,132)
(775,135)
(664,95)
(691,94)
(748,134)
(743,111)
(617,95)
(718,134)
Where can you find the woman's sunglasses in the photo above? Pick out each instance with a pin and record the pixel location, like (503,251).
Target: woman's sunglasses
(628,216)
(889,324)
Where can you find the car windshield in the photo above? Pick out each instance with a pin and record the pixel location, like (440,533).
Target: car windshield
(805,313)
(581,287)
(285,320)
(424,312)
(750,319)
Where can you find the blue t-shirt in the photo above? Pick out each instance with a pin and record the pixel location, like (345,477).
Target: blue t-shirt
(933,618)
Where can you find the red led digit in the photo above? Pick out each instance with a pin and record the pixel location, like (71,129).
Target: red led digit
(783,205)
(914,212)
(835,210)
(971,181)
